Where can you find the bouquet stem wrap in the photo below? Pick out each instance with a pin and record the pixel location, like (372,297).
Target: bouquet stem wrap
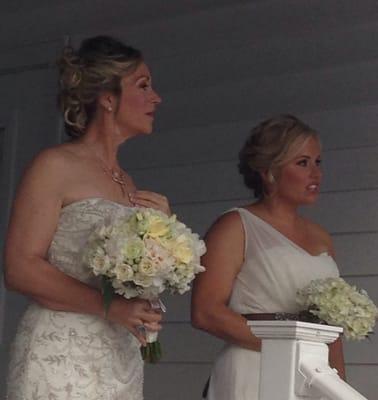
(152,353)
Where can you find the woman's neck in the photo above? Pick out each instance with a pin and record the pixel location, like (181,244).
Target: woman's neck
(283,212)
(102,144)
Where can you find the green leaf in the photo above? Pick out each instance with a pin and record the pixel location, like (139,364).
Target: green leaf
(151,353)
(107,293)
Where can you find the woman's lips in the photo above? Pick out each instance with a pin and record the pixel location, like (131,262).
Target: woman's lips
(313,188)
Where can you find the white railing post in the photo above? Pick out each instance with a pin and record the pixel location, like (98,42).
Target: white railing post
(294,362)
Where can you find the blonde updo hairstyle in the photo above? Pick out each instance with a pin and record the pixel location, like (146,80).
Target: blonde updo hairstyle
(99,65)
(272,143)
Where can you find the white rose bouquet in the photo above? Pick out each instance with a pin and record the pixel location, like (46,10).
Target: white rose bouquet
(335,302)
(142,255)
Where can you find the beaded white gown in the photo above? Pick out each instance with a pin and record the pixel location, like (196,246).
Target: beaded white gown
(274,268)
(70,356)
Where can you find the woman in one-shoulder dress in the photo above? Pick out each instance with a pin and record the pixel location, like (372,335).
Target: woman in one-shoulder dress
(260,254)
(65,347)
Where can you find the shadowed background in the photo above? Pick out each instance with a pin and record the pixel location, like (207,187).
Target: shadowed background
(220,66)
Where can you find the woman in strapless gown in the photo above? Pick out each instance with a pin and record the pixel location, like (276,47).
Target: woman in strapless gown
(260,254)
(65,347)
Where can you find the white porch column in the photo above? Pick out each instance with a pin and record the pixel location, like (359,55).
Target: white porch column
(294,362)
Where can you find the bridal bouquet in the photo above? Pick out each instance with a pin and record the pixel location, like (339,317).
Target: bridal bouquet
(142,255)
(335,302)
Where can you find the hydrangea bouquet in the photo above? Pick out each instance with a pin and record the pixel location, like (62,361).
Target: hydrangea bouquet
(335,302)
(143,255)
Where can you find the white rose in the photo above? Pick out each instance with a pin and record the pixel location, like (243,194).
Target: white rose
(100,264)
(123,272)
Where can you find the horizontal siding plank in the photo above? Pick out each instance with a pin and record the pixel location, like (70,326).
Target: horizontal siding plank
(344,128)
(357,254)
(350,169)
(346,211)
(362,352)
(364,379)
(190,345)
(149,24)
(175,381)
(31,56)
(275,55)
(324,89)
(92,17)
(216,28)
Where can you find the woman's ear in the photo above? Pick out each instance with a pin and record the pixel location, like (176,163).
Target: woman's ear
(107,101)
(268,177)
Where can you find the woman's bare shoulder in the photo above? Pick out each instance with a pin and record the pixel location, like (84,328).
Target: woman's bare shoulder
(229,221)
(49,172)
(227,231)
(59,153)
(56,159)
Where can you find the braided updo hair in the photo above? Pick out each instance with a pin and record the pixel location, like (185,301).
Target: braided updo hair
(271,144)
(99,64)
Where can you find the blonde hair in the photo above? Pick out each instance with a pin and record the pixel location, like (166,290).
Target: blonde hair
(272,143)
(99,64)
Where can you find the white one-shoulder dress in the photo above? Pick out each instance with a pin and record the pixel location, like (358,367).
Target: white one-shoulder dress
(71,356)
(274,268)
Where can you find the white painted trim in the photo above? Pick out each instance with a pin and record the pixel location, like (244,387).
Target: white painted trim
(295,330)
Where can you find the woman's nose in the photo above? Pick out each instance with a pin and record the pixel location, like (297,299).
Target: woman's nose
(156,98)
(316,171)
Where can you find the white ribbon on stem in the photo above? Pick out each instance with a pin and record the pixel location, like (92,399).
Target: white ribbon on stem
(156,304)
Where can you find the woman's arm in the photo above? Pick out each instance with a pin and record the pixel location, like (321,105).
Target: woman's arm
(336,357)
(336,354)
(212,288)
(33,222)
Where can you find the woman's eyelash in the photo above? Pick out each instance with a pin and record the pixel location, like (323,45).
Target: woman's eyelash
(144,84)
(300,162)
(305,162)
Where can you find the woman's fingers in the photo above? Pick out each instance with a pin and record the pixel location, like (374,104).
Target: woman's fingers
(148,195)
(151,316)
(145,198)
(153,326)
(139,331)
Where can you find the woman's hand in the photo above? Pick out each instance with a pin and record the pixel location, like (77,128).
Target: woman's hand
(145,198)
(135,314)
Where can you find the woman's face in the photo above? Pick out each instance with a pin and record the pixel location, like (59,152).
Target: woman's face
(299,180)
(137,103)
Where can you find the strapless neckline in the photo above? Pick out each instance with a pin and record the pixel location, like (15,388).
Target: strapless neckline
(93,200)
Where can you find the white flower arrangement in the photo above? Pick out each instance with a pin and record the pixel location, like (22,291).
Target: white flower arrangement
(336,302)
(144,254)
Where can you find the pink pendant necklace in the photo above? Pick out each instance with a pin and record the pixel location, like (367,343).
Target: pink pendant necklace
(117,177)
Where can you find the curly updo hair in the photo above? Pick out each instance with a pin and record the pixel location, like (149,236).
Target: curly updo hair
(270,145)
(99,65)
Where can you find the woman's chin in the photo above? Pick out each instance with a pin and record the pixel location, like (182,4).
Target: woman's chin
(312,199)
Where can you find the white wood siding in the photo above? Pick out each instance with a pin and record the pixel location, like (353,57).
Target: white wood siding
(220,66)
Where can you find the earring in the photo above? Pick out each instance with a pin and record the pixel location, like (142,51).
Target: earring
(271,178)
(110,109)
